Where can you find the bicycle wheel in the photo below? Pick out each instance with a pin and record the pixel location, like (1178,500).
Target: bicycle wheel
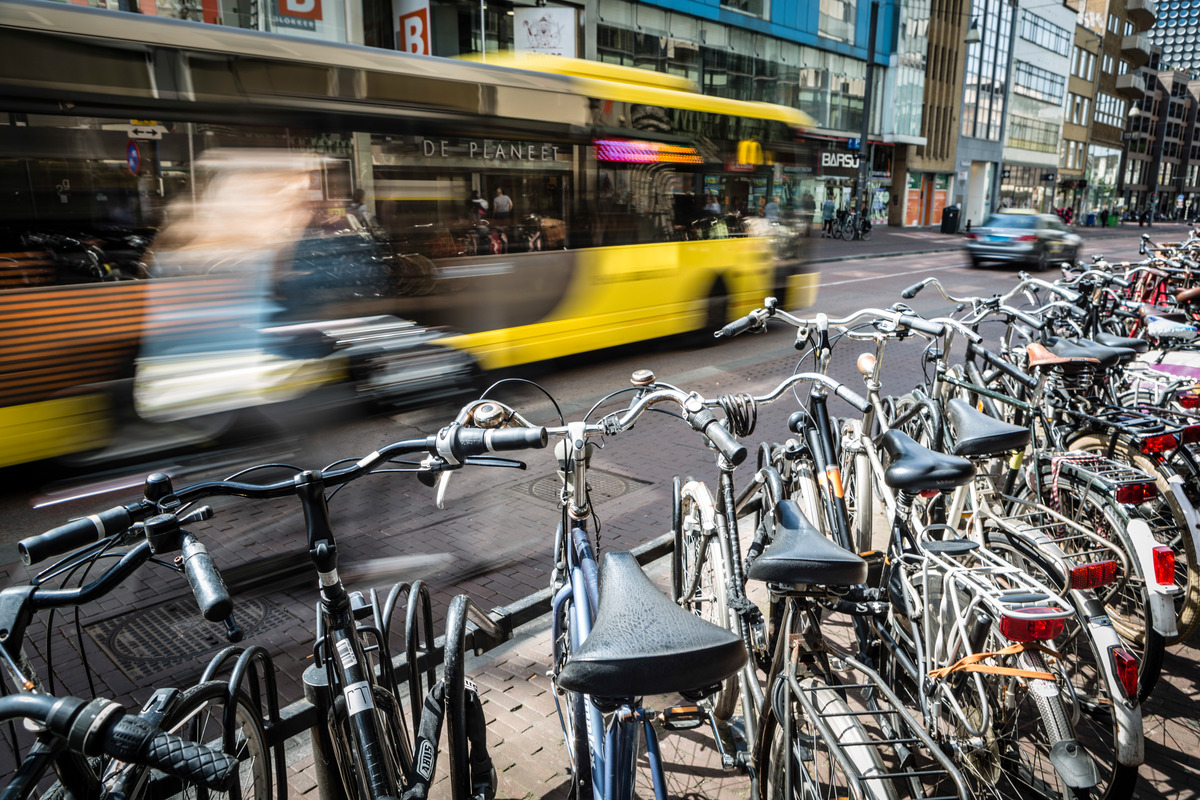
(865,233)
(197,715)
(1102,728)
(1177,536)
(857,486)
(700,566)
(574,717)
(350,767)
(803,766)
(1126,605)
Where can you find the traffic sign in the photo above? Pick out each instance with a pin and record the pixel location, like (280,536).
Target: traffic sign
(854,144)
(146,131)
(133,156)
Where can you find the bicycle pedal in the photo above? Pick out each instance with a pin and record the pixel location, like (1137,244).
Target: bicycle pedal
(683,718)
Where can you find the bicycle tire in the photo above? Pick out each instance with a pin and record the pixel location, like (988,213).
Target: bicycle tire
(1187,567)
(197,716)
(1098,730)
(822,772)
(1127,609)
(701,561)
(346,755)
(858,490)
(575,724)
(865,232)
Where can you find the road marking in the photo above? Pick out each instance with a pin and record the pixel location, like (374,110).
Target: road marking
(878,276)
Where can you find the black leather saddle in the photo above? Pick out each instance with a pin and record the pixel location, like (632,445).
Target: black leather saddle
(916,469)
(1082,348)
(800,555)
(977,434)
(1121,342)
(642,643)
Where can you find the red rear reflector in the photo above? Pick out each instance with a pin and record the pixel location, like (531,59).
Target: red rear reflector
(1089,576)
(1191,433)
(1020,629)
(1026,239)
(1134,493)
(1127,671)
(1159,444)
(1164,565)
(972,236)
(930,493)
(1188,399)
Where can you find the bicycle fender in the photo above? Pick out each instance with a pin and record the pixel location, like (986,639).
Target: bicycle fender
(1159,599)
(1130,747)
(1190,513)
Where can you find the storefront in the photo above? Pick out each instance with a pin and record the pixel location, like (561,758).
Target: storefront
(926,198)
(837,173)
(1024,186)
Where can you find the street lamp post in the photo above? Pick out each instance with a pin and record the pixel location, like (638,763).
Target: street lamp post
(864,159)
(1008,79)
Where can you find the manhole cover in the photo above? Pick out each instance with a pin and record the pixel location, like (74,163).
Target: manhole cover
(604,486)
(146,643)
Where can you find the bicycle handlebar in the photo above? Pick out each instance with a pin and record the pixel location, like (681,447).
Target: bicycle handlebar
(78,533)
(102,727)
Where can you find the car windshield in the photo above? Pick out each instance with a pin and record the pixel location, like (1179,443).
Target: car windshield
(1026,221)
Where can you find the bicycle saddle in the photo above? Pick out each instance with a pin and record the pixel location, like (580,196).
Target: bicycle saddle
(800,555)
(915,468)
(977,434)
(1107,356)
(642,643)
(1121,342)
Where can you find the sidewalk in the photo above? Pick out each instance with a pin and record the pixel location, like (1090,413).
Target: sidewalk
(891,241)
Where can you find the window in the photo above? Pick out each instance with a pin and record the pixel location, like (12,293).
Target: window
(1114,24)
(1106,64)
(1028,133)
(836,20)
(1045,33)
(1077,109)
(1124,67)
(1128,28)
(1110,110)
(1038,83)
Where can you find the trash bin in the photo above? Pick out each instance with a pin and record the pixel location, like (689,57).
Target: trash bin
(950,219)
(1091,220)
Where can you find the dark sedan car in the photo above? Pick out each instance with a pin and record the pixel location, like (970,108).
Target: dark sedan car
(1041,241)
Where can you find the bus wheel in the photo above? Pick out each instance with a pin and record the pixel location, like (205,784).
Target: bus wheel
(716,314)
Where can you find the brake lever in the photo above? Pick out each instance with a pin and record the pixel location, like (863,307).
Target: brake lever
(495,461)
(443,483)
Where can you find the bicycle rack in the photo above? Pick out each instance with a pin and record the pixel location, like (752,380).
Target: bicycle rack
(247,666)
(418,646)
(912,761)
(462,608)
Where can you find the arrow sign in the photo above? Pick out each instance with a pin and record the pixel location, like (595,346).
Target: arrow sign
(146,131)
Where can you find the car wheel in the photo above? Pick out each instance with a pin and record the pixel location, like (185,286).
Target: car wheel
(1042,263)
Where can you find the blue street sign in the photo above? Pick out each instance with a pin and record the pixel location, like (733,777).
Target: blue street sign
(854,144)
(133,157)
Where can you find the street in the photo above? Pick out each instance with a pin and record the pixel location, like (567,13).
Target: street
(493,540)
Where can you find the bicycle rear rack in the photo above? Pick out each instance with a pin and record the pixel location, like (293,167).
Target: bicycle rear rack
(910,761)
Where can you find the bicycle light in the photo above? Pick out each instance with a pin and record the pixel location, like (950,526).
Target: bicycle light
(1158,444)
(1188,399)
(1126,665)
(1191,433)
(1030,628)
(1164,565)
(1134,493)
(1091,576)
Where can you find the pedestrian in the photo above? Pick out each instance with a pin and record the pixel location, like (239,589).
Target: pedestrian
(771,210)
(478,206)
(502,206)
(711,204)
(828,210)
(358,209)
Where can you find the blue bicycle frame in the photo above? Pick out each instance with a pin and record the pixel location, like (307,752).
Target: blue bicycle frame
(612,747)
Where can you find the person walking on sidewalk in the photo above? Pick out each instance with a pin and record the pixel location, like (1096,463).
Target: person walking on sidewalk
(828,211)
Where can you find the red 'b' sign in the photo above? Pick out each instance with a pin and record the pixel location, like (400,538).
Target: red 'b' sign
(414,32)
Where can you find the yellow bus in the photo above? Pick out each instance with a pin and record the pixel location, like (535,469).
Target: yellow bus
(538,208)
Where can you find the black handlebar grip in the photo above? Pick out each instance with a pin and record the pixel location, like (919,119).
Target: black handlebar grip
(207,585)
(1031,321)
(1004,366)
(465,442)
(853,398)
(73,535)
(919,324)
(1121,282)
(911,291)
(736,327)
(733,450)
(135,740)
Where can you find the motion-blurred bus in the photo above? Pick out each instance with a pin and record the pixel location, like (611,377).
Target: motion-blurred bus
(537,210)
